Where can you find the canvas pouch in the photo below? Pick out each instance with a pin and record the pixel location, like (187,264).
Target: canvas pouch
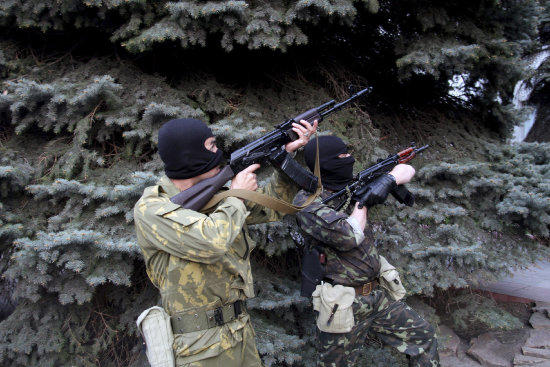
(154,325)
(390,280)
(334,304)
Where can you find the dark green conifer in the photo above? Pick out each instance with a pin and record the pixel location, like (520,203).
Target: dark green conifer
(78,146)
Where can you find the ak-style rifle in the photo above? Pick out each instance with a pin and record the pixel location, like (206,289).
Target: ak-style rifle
(269,147)
(369,174)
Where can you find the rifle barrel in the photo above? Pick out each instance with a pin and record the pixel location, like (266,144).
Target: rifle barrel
(422,148)
(342,104)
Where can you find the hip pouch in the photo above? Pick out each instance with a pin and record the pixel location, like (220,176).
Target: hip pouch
(334,306)
(390,280)
(154,325)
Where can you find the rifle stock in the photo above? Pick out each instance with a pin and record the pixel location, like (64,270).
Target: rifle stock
(198,195)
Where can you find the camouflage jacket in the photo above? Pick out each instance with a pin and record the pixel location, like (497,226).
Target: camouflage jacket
(352,258)
(200,262)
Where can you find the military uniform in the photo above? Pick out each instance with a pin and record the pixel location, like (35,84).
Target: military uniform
(201,265)
(352,260)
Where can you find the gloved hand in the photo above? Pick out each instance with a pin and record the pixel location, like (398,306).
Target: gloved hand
(376,192)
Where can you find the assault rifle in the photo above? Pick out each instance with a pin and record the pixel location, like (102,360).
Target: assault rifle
(368,175)
(269,147)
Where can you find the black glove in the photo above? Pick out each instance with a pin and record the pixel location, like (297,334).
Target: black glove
(376,192)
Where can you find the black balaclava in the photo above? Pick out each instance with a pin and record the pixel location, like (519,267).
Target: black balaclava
(336,172)
(181,148)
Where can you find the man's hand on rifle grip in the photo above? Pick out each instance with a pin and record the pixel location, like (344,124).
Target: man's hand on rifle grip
(375,192)
(246,179)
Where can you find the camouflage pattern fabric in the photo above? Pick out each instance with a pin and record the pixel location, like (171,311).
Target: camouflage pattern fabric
(392,322)
(348,263)
(351,263)
(200,262)
(243,354)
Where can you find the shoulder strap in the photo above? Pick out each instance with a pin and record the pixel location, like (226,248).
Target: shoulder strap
(266,200)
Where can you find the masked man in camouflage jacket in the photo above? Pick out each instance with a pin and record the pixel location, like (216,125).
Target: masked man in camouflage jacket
(351,260)
(201,262)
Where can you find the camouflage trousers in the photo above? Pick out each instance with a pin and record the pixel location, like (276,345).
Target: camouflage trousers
(393,323)
(244,354)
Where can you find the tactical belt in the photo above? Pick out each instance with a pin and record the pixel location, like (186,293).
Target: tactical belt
(201,320)
(365,289)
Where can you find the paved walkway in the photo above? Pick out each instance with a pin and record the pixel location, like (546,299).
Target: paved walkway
(530,284)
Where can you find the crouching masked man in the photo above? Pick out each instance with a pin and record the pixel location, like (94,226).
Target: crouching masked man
(201,262)
(360,291)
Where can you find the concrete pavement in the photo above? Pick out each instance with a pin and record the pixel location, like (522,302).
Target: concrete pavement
(532,284)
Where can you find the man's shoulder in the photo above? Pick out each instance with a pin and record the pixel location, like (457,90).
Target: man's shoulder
(152,202)
(301,197)
(151,193)
(317,208)
(155,206)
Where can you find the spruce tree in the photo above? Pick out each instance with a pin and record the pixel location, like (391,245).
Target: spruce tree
(422,43)
(78,142)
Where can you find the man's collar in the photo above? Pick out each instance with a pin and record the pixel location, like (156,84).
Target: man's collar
(168,186)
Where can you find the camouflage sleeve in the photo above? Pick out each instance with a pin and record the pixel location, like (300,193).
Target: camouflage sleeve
(278,186)
(189,234)
(325,224)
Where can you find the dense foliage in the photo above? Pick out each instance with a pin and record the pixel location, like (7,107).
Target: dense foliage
(80,105)
(476,43)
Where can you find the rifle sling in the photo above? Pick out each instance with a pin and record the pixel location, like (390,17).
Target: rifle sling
(266,200)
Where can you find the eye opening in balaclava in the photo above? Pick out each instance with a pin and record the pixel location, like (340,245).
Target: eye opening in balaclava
(181,148)
(336,172)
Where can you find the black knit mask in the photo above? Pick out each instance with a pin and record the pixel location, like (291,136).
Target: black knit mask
(336,172)
(181,148)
